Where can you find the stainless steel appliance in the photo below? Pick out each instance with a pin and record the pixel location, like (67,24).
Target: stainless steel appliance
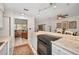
(44,46)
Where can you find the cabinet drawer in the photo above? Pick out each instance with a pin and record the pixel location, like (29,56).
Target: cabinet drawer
(56,50)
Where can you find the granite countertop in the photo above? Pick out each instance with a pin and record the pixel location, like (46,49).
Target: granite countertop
(4,40)
(67,42)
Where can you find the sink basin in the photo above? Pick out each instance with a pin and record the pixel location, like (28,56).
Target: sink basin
(1,43)
(49,37)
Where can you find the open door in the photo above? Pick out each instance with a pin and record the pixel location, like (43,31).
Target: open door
(41,27)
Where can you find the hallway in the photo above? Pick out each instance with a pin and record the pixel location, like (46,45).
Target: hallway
(22,47)
(20,41)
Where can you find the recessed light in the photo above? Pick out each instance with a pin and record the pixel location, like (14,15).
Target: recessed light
(54,6)
(22,14)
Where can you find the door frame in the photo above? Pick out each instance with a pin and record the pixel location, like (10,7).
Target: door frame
(12,32)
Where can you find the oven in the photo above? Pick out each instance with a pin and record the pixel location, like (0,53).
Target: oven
(44,46)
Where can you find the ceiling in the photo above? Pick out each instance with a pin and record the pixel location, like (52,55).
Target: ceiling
(46,12)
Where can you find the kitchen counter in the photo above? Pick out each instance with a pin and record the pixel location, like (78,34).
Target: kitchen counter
(68,42)
(4,40)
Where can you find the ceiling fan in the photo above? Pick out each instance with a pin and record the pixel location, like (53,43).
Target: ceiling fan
(62,16)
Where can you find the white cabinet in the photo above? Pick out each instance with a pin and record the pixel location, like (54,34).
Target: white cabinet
(1,19)
(56,50)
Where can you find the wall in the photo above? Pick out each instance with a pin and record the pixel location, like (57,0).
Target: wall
(31,32)
(75,18)
(5,30)
(47,22)
(52,22)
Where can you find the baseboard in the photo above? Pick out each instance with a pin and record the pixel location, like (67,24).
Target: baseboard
(34,51)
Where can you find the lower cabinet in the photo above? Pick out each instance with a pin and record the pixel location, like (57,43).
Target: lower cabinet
(4,50)
(56,50)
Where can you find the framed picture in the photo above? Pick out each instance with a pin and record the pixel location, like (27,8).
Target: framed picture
(72,25)
(41,27)
(58,25)
(65,24)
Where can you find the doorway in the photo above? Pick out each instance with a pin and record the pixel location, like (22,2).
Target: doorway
(41,27)
(21,32)
(21,44)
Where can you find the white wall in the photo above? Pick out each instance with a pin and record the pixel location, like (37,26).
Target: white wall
(74,18)
(31,32)
(5,30)
(2,6)
(47,22)
(52,22)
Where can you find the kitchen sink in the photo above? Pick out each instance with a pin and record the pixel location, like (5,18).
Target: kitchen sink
(49,37)
(1,43)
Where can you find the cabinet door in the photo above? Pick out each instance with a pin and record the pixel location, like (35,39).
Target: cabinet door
(60,51)
(1,19)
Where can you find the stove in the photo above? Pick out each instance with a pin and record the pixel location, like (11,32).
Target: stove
(44,45)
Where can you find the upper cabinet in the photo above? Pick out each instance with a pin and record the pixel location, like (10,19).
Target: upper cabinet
(1,15)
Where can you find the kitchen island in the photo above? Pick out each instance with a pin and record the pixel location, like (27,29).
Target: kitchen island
(66,45)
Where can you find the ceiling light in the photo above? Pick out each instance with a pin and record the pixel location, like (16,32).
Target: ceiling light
(22,14)
(54,6)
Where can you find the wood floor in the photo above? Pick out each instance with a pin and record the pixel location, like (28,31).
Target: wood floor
(20,41)
(22,50)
